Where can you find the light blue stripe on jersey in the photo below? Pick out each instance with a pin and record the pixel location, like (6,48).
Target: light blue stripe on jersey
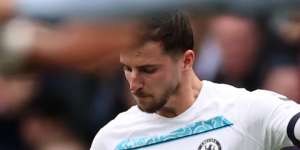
(190,130)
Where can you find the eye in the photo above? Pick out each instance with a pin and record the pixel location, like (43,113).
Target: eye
(148,70)
(127,68)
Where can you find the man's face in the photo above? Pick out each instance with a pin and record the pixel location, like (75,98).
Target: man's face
(152,75)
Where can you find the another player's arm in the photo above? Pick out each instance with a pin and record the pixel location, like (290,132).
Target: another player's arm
(69,45)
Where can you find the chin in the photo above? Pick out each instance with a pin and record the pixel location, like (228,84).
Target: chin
(147,110)
(146,106)
(150,108)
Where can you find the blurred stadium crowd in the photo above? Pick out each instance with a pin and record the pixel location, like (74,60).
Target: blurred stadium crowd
(76,85)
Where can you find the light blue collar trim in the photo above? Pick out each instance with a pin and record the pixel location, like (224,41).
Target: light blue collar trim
(190,130)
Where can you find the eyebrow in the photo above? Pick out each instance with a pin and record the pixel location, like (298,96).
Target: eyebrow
(142,66)
(149,65)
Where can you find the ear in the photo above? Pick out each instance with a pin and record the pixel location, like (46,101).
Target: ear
(188,59)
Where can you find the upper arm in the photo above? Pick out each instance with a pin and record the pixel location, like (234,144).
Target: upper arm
(267,117)
(278,121)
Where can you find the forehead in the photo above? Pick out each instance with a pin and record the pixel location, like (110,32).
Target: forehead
(149,53)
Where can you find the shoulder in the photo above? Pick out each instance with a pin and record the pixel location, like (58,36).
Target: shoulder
(223,92)
(264,98)
(116,129)
(228,93)
(262,104)
(247,107)
(121,121)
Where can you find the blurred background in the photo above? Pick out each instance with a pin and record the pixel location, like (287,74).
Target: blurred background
(60,78)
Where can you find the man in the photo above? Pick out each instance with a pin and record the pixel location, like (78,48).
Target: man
(176,110)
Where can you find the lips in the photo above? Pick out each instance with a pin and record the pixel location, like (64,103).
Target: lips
(140,94)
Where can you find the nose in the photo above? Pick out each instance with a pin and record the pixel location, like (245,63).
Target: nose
(135,83)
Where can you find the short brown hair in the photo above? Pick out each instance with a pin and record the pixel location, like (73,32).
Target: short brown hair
(172,29)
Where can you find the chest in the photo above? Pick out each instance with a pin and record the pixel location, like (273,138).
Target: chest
(214,134)
(220,139)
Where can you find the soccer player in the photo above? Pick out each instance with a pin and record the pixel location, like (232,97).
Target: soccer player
(177,110)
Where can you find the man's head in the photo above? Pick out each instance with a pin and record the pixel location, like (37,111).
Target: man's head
(155,69)
(172,30)
(239,39)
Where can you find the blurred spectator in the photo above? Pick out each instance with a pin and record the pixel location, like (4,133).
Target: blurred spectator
(239,50)
(284,80)
(15,96)
(46,129)
(234,50)
(84,102)
(288,29)
(206,67)
(57,110)
(288,26)
(239,39)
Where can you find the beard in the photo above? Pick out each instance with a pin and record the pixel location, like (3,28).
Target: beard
(153,105)
(150,104)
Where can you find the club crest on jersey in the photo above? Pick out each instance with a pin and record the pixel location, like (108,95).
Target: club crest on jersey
(210,144)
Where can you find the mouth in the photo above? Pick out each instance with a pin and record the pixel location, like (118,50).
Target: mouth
(141,96)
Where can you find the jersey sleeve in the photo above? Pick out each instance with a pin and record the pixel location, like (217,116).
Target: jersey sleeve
(275,113)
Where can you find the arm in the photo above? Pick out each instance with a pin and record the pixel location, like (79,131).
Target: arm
(272,118)
(284,124)
(83,46)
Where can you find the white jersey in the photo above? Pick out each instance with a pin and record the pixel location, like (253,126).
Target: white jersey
(222,117)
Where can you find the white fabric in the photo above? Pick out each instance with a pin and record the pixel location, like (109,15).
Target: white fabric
(259,120)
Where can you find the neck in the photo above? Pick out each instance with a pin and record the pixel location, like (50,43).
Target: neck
(185,97)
